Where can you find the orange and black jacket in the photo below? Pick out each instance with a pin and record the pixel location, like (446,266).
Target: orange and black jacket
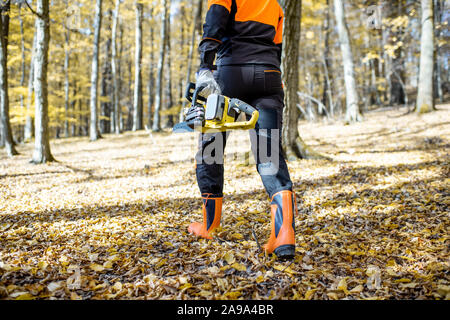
(242,32)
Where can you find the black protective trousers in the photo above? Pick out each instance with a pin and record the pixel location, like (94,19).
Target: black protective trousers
(261,87)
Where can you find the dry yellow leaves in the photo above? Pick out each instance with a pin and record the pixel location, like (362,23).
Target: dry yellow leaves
(239,266)
(229,257)
(97,267)
(372,224)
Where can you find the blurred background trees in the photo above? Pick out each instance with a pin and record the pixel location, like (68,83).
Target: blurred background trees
(118,65)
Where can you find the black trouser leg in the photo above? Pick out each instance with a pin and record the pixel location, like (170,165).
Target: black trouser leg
(209,163)
(266,146)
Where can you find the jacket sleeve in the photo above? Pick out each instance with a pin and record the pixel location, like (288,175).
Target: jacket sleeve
(213,31)
(279,34)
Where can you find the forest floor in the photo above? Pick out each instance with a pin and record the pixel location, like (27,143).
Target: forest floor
(109,219)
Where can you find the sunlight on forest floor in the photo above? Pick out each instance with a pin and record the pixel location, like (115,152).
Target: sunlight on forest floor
(110,219)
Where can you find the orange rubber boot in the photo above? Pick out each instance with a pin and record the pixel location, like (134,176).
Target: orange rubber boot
(282,237)
(212,211)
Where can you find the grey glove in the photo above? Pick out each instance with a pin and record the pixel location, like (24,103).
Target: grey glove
(195,116)
(206,79)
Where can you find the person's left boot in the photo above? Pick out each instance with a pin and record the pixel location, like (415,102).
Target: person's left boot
(282,237)
(212,212)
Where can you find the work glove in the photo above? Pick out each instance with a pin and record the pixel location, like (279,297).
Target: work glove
(195,116)
(206,79)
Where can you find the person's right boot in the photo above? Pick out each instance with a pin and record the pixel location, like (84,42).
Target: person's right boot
(282,237)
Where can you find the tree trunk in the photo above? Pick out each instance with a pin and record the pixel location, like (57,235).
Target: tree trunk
(169,123)
(396,75)
(28,134)
(94,133)
(42,153)
(352,112)
(438,12)
(182,46)
(105,92)
(66,81)
(119,72)
(22,69)
(197,20)
(116,81)
(327,97)
(151,77)
(4,95)
(138,104)
(159,80)
(293,145)
(73,131)
(425,96)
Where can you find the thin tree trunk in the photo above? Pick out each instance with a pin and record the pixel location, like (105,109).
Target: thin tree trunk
(159,80)
(4,95)
(94,133)
(73,130)
(352,112)
(116,81)
(197,20)
(119,72)
(170,123)
(28,134)
(22,67)
(438,35)
(138,104)
(105,85)
(42,153)
(182,45)
(151,78)
(425,97)
(66,81)
(105,92)
(327,98)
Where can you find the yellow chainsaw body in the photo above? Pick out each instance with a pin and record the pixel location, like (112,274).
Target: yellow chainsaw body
(227,121)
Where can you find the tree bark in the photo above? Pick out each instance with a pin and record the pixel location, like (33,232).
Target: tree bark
(73,126)
(425,96)
(396,74)
(116,81)
(29,123)
(197,20)
(438,13)
(105,92)
(66,81)
(22,67)
(159,80)
(151,77)
(4,95)
(327,97)
(293,145)
(169,123)
(138,104)
(42,153)
(352,101)
(182,47)
(94,133)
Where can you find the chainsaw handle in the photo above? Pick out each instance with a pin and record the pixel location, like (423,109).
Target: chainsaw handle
(242,106)
(248,110)
(192,93)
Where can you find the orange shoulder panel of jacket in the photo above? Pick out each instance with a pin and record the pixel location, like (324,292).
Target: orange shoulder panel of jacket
(264,11)
(223,3)
(279,35)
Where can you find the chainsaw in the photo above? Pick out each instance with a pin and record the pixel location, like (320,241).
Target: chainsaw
(221,113)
